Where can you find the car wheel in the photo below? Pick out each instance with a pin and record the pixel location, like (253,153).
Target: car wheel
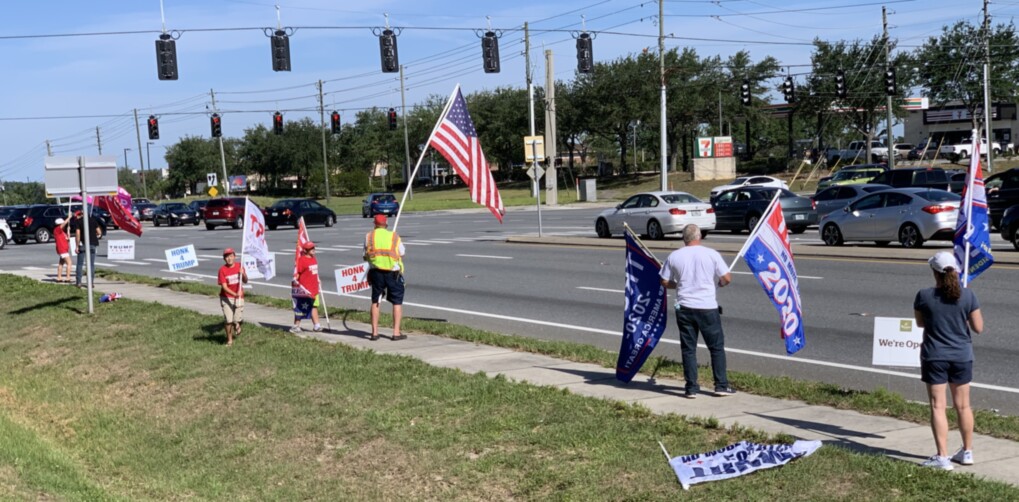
(42,236)
(155,222)
(797,230)
(831,235)
(601,227)
(210,227)
(752,222)
(20,240)
(364,214)
(271,227)
(963,154)
(704,234)
(238,223)
(1015,238)
(3,240)
(909,236)
(654,230)
(195,223)
(881,244)
(330,221)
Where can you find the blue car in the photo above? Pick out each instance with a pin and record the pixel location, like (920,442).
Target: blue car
(379,203)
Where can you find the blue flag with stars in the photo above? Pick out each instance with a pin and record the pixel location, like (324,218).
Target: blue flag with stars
(972,230)
(303,302)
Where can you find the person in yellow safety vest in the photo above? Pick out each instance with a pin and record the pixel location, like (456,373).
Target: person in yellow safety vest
(384,251)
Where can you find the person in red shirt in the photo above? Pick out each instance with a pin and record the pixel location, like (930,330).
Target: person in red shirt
(306,277)
(63,250)
(231,294)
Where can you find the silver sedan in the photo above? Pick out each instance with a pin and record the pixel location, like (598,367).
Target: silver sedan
(656,214)
(910,216)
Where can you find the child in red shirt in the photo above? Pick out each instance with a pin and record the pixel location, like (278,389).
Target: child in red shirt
(63,250)
(231,294)
(306,277)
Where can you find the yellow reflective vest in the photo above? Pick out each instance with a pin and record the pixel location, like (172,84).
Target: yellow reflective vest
(382,249)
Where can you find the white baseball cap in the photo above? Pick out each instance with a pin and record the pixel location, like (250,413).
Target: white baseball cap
(60,221)
(942,261)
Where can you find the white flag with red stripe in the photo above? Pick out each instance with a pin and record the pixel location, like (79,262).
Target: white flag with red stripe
(457,140)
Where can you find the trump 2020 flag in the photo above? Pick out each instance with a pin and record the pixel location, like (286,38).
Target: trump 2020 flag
(972,230)
(302,305)
(644,313)
(253,242)
(770,258)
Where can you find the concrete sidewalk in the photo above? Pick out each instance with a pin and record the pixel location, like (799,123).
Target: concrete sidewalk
(996,459)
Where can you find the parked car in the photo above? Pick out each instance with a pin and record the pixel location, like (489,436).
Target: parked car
(379,203)
(225,211)
(5,233)
(35,222)
(174,214)
(956,180)
(741,208)
(1002,193)
(838,197)
(143,211)
(964,148)
(198,206)
(850,175)
(910,216)
(1010,226)
(288,211)
(140,200)
(926,150)
(857,150)
(101,215)
(901,150)
(656,214)
(764,181)
(923,177)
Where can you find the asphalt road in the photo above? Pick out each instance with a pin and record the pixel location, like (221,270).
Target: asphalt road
(461,270)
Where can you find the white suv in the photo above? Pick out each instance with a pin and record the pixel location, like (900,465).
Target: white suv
(5,233)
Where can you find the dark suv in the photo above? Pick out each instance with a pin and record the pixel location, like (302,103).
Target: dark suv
(225,211)
(1002,193)
(38,221)
(923,177)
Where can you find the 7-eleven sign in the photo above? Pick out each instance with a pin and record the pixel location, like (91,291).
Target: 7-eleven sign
(705,147)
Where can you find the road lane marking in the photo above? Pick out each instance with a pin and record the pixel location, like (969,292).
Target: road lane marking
(787,359)
(154,260)
(129,262)
(209,256)
(416,243)
(103,264)
(602,289)
(433,241)
(486,256)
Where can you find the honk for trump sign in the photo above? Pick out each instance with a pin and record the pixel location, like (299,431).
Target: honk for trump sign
(181,258)
(352,279)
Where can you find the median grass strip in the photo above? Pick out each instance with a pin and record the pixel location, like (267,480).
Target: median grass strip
(877,402)
(141,402)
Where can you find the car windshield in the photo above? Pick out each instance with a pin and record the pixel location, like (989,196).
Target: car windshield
(770,193)
(385,198)
(679,198)
(740,180)
(283,204)
(939,196)
(176,206)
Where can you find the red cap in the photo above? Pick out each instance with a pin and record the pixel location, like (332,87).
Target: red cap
(308,246)
(228,251)
(77,213)
(380,219)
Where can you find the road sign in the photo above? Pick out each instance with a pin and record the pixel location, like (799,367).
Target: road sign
(534,146)
(63,179)
(212,179)
(535,172)
(213,192)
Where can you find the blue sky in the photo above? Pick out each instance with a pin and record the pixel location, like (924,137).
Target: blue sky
(111,75)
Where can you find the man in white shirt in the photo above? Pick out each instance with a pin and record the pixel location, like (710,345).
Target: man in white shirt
(694,270)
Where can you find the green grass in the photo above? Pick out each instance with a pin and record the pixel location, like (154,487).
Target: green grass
(879,402)
(143,402)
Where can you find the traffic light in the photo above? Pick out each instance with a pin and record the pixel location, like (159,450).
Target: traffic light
(891,88)
(840,84)
(217,126)
(280,51)
(277,123)
(387,49)
(744,92)
(153,127)
(585,61)
(392,119)
(490,52)
(789,90)
(166,57)
(334,121)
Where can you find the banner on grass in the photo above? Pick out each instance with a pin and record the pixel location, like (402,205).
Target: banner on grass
(644,313)
(737,459)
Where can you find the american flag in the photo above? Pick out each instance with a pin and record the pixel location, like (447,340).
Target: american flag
(457,141)
(972,230)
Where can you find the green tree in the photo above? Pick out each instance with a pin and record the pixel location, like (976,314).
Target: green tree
(188,162)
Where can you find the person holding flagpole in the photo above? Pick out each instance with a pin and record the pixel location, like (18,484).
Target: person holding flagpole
(232,278)
(307,281)
(384,251)
(693,271)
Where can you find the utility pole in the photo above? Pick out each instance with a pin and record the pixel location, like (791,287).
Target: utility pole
(406,140)
(987,87)
(530,92)
(49,151)
(141,160)
(888,105)
(551,179)
(125,157)
(99,141)
(661,61)
(222,153)
(322,120)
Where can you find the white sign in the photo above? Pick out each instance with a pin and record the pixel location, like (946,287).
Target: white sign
(181,258)
(534,148)
(897,342)
(212,179)
(63,178)
(120,250)
(251,266)
(352,279)
(535,172)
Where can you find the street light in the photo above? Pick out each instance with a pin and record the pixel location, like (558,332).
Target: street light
(148,165)
(634,126)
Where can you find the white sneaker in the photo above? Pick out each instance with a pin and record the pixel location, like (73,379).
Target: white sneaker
(964,457)
(938,462)
(317,328)
(295,329)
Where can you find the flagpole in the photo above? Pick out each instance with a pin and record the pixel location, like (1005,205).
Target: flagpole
(968,205)
(445,109)
(767,213)
(321,294)
(244,243)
